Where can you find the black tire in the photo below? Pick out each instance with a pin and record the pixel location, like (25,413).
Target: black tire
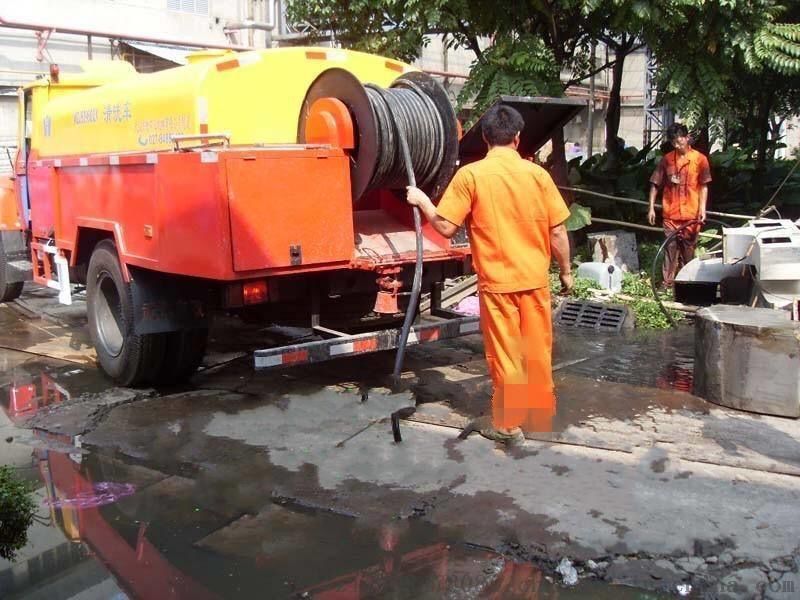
(8,291)
(184,351)
(129,359)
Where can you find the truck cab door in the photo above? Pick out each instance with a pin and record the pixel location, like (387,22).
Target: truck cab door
(25,126)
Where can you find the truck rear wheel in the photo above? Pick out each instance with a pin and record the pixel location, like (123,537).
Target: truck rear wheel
(128,358)
(183,354)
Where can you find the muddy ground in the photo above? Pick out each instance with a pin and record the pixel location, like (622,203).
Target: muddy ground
(290,484)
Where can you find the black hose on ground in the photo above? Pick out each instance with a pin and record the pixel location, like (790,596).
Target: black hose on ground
(661,248)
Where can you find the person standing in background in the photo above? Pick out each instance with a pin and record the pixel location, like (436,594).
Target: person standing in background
(683,175)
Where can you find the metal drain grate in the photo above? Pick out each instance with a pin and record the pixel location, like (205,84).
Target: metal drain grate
(591,315)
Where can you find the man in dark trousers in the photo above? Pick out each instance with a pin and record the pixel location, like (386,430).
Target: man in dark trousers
(515,217)
(684,175)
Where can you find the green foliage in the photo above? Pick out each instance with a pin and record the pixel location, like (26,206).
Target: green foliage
(776,45)
(17,510)
(581,255)
(514,66)
(636,285)
(732,188)
(732,66)
(579,217)
(647,252)
(581,289)
(649,315)
(627,175)
(647,312)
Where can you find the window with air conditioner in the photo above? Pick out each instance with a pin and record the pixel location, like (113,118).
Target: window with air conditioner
(197,7)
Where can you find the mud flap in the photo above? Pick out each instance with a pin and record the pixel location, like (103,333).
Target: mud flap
(15,257)
(164,303)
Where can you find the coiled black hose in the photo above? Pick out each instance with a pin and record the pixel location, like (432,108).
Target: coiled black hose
(661,248)
(411,136)
(406,114)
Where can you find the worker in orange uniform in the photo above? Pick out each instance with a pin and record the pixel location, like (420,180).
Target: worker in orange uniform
(684,175)
(515,217)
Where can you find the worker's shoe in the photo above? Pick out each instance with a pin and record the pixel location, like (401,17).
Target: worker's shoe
(486,428)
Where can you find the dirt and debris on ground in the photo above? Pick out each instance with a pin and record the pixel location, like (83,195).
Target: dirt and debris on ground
(289,484)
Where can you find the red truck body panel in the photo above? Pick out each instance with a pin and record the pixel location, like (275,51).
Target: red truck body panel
(225,215)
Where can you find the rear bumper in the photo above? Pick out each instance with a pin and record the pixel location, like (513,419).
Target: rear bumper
(363,343)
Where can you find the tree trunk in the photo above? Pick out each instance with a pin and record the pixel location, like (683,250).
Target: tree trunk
(703,141)
(558,163)
(764,110)
(613,146)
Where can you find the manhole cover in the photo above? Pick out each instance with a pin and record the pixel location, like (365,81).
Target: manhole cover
(591,315)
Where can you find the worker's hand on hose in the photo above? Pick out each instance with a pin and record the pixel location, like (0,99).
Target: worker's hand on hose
(651,216)
(415,196)
(701,216)
(566,283)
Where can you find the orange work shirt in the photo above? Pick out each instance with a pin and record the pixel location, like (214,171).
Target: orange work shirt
(681,178)
(512,204)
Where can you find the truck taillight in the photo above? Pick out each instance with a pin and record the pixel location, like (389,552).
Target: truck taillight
(254,292)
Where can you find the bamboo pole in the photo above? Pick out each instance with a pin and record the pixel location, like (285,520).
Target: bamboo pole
(645,203)
(647,227)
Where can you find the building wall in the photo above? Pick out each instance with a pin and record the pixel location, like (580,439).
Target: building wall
(8,130)
(190,21)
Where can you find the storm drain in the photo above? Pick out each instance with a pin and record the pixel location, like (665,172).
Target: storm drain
(591,315)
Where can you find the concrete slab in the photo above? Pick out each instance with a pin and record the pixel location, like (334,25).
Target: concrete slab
(748,359)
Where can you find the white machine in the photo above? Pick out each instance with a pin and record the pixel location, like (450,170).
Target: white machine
(758,265)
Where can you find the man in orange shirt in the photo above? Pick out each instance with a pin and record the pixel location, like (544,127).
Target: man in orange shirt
(684,175)
(515,217)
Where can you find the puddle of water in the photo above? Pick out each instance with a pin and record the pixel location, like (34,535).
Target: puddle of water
(159,543)
(660,359)
(612,376)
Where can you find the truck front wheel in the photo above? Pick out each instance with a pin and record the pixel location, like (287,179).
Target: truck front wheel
(12,245)
(127,358)
(9,291)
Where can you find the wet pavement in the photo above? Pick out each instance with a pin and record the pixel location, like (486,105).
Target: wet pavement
(289,484)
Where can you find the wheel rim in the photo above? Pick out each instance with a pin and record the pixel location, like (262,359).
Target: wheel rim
(108,315)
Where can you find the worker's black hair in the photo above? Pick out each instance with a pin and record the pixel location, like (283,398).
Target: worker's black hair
(500,124)
(677,130)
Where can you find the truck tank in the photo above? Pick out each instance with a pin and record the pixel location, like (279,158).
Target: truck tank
(252,97)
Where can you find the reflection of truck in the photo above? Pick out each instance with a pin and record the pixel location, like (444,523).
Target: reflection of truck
(263,183)
(139,568)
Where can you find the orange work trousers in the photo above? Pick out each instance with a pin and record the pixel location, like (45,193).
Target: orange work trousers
(518,339)
(680,250)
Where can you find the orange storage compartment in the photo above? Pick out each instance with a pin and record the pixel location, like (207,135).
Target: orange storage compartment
(290,209)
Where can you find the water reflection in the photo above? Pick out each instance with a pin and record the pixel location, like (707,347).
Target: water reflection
(133,547)
(29,395)
(663,359)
